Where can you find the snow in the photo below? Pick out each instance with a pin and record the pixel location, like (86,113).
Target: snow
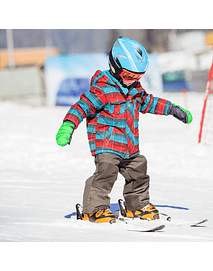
(40,182)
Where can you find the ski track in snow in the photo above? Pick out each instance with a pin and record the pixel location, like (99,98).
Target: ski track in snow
(41,182)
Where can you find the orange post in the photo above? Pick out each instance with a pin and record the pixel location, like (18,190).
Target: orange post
(185,98)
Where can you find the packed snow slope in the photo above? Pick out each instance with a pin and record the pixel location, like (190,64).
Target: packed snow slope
(40,182)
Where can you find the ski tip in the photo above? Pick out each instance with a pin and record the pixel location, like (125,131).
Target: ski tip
(158,228)
(199,223)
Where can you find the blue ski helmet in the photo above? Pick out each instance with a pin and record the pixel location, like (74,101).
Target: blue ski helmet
(128,54)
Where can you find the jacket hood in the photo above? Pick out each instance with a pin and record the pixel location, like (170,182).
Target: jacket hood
(106,78)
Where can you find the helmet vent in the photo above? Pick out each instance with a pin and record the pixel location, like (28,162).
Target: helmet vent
(117,44)
(139,51)
(140,60)
(122,56)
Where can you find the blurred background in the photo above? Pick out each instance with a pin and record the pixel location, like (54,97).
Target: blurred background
(54,66)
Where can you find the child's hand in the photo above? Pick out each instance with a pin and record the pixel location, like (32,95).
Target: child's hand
(180,113)
(64,134)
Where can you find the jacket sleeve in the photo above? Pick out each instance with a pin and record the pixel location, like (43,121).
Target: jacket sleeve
(89,103)
(154,105)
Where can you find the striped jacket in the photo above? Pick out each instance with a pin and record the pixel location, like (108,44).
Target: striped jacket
(112,114)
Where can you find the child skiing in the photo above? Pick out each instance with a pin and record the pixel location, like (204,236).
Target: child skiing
(111,108)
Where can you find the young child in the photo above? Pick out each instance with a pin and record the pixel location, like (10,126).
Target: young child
(111,108)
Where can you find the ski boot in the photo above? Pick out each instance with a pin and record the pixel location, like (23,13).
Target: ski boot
(101,216)
(149,212)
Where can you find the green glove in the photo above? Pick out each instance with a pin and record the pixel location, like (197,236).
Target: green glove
(64,134)
(190,118)
(180,113)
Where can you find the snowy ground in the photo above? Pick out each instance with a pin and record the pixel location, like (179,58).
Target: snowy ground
(40,182)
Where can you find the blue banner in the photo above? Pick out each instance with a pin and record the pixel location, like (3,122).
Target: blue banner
(68,76)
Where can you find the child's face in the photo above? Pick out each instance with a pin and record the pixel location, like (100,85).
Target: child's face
(128,83)
(129,77)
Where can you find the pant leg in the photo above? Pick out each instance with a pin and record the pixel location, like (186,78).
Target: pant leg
(99,185)
(136,188)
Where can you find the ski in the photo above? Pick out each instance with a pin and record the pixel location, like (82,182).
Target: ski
(136,224)
(122,205)
(130,224)
(162,217)
(199,223)
(141,227)
(150,230)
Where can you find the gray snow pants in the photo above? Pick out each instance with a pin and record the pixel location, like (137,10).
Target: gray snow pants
(100,184)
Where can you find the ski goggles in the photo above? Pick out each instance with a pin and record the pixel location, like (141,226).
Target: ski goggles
(130,76)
